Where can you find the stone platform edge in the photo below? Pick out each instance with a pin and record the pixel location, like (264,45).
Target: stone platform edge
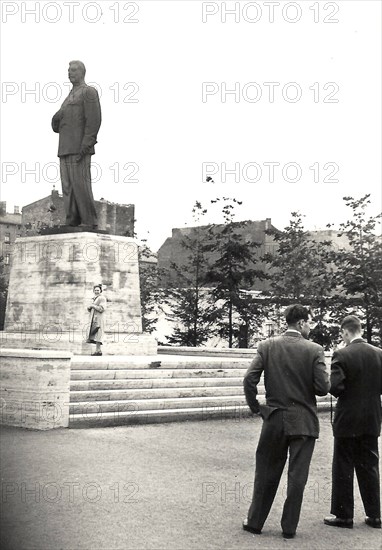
(35,388)
(38,353)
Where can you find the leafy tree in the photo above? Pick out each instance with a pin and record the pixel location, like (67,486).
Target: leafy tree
(189,303)
(194,314)
(302,270)
(359,267)
(252,312)
(231,272)
(149,291)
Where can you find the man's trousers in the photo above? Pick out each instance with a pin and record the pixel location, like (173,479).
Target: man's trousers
(271,455)
(77,190)
(359,454)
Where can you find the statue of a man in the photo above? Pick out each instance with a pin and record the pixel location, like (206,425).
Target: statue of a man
(77,123)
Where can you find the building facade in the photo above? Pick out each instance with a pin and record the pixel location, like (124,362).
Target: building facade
(116,219)
(173,250)
(10,229)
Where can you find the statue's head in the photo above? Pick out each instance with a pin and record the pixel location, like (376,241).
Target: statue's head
(76,72)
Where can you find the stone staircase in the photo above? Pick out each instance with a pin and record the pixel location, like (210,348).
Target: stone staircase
(122,390)
(111,391)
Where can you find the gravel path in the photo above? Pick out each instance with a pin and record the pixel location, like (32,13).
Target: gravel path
(172,486)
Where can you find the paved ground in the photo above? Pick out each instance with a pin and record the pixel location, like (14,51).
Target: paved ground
(170,486)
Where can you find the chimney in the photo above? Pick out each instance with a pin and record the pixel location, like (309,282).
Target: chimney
(16,210)
(3,208)
(268,223)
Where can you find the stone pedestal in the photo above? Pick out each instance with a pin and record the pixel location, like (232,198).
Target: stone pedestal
(34,388)
(51,285)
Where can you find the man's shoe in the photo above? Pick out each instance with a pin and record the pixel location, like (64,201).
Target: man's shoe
(250,529)
(97,353)
(339,522)
(289,535)
(373,522)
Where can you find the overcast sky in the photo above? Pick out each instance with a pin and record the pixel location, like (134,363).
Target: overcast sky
(302,130)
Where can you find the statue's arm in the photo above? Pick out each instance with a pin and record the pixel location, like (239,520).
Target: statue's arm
(92,113)
(56,121)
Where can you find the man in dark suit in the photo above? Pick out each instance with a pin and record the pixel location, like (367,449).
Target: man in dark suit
(77,123)
(356,379)
(294,373)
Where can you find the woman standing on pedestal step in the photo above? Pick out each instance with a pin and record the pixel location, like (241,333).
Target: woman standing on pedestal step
(96,319)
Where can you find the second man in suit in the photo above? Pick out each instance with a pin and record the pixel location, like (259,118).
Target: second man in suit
(356,379)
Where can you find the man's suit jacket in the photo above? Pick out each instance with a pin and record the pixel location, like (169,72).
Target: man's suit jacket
(356,379)
(294,373)
(78,122)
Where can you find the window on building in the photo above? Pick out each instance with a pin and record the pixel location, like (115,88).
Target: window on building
(7,259)
(7,238)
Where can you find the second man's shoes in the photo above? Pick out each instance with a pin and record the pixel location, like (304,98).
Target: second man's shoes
(339,522)
(373,522)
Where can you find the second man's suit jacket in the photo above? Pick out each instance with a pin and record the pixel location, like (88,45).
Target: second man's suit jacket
(356,379)
(294,373)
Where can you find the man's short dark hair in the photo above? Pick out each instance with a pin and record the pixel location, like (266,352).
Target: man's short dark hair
(295,313)
(352,324)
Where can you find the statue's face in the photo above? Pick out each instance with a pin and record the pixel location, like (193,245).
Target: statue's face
(75,74)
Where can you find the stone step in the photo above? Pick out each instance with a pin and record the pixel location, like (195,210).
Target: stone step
(154,393)
(122,374)
(157,394)
(207,352)
(122,418)
(101,407)
(239,412)
(130,395)
(155,362)
(91,385)
(323,406)
(325,399)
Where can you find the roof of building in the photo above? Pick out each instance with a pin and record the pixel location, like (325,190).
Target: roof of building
(247,226)
(240,223)
(102,200)
(39,200)
(8,219)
